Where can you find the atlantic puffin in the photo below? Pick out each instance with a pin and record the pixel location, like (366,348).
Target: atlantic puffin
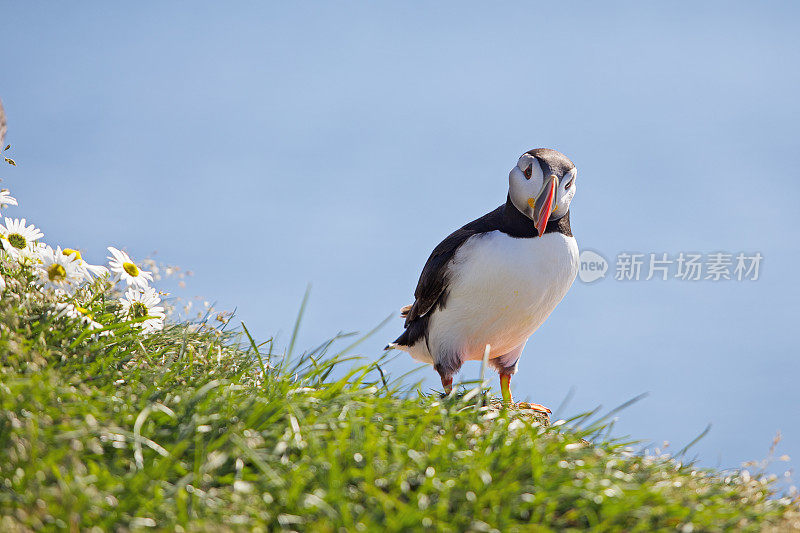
(497,279)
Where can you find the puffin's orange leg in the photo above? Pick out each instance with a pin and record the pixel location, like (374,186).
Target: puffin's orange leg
(505,388)
(447,384)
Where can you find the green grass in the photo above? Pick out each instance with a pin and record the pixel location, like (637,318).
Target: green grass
(208,430)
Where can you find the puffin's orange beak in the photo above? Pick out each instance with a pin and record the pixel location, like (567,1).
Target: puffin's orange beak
(545,203)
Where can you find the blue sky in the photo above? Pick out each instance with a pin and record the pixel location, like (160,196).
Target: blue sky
(268,146)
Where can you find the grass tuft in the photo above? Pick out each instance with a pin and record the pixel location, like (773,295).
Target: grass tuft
(105,423)
(197,428)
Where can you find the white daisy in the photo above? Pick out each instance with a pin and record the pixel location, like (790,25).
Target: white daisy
(33,254)
(19,240)
(139,304)
(88,271)
(68,310)
(6,198)
(73,311)
(58,271)
(123,266)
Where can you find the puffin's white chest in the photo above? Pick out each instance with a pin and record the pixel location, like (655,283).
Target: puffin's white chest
(501,290)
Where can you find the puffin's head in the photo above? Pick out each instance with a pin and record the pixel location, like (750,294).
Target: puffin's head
(542,185)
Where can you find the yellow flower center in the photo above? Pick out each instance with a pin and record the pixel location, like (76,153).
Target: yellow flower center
(76,255)
(137,310)
(56,272)
(131,269)
(17,241)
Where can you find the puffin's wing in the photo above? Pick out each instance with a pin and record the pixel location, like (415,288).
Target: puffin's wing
(432,285)
(433,280)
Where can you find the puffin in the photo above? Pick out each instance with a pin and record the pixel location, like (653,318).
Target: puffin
(495,280)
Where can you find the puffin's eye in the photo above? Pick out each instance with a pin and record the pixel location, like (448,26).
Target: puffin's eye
(527,172)
(568,185)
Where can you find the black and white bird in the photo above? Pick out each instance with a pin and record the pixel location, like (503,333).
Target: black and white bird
(497,279)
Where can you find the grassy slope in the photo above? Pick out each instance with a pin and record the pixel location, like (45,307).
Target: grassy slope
(181,428)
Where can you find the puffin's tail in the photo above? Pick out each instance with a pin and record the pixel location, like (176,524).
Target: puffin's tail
(402,340)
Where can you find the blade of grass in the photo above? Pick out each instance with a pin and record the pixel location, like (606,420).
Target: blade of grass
(290,350)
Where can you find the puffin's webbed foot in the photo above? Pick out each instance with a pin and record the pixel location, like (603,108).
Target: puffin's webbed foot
(535,407)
